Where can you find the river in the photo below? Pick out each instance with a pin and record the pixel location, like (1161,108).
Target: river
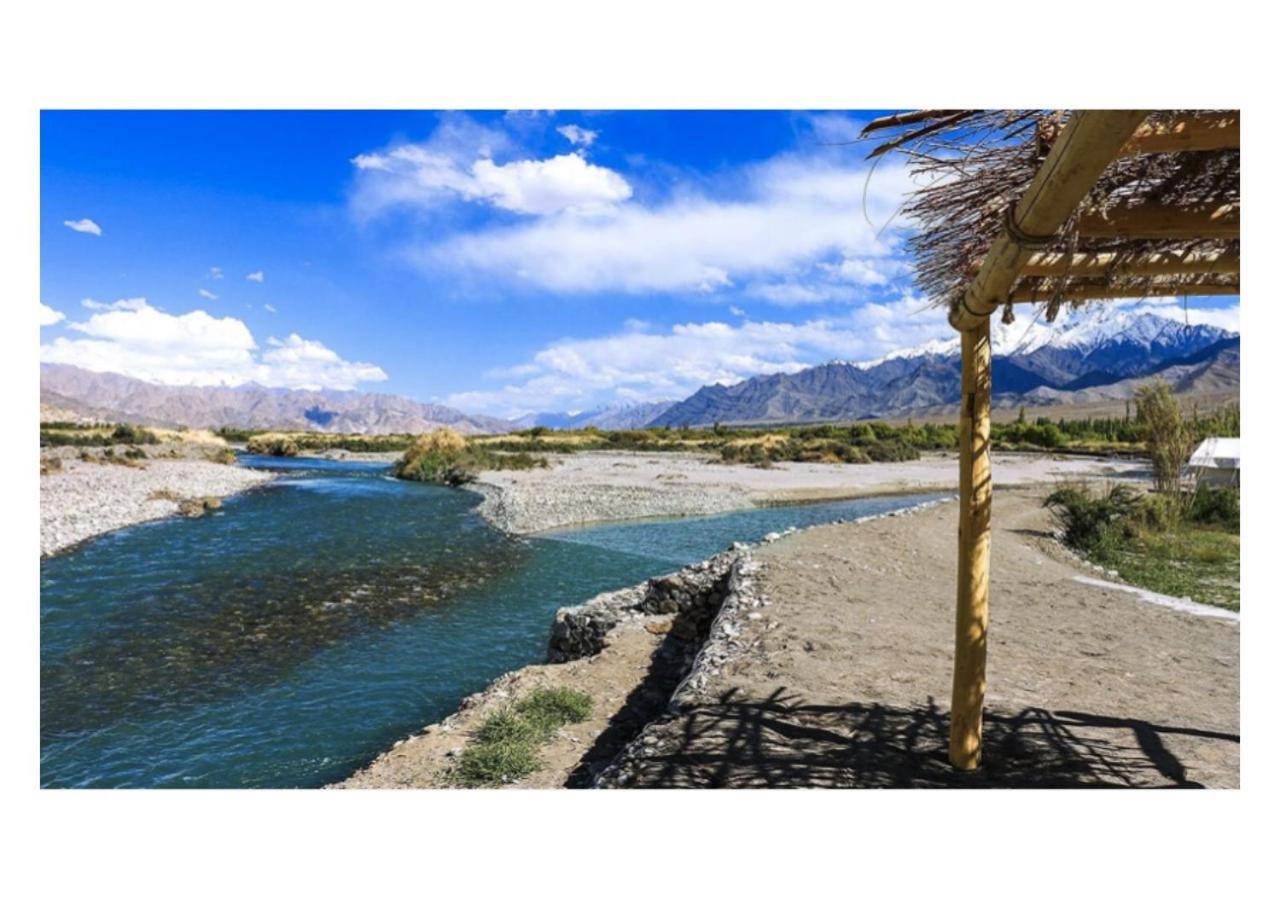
(289,637)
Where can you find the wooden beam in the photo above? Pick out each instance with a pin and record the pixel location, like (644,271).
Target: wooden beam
(1087,145)
(1106,292)
(1097,265)
(969,684)
(1208,221)
(1199,131)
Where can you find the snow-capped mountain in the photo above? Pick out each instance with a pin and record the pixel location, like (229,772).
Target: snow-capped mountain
(1087,355)
(614,416)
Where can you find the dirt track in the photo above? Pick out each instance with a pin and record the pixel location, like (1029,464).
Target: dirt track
(847,682)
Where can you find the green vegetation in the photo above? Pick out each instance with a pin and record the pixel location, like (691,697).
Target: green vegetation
(861,442)
(1168,439)
(319,440)
(1156,542)
(443,456)
(68,434)
(272,445)
(505,747)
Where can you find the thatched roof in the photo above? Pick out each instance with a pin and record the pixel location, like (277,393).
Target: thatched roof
(1162,218)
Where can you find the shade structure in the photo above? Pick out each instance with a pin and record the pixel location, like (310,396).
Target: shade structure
(1050,207)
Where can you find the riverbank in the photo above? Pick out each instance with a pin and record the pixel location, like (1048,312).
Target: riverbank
(80,500)
(581,488)
(828,665)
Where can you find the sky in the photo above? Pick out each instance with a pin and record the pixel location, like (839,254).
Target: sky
(499,262)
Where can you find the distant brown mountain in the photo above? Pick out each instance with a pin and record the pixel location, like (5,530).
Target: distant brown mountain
(105,395)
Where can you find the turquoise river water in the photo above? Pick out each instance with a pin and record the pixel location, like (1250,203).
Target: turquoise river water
(288,638)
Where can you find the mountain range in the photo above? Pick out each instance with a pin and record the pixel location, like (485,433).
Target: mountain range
(1096,355)
(613,417)
(68,390)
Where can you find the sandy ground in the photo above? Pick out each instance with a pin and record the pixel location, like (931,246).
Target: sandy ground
(86,499)
(847,679)
(577,751)
(597,486)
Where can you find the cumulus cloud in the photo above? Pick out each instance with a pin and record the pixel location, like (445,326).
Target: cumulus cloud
(798,221)
(578,136)
(215,272)
(134,338)
(208,295)
(461,162)
(648,364)
(258,276)
(84,226)
(268,307)
(49,316)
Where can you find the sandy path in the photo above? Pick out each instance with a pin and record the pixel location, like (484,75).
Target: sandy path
(596,486)
(847,679)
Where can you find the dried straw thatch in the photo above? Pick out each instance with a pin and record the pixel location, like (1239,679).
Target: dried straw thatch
(976,163)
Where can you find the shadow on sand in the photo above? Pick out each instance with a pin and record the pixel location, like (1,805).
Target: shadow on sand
(782,742)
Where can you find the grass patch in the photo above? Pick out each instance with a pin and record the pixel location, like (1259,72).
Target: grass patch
(505,746)
(1194,561)
(1151,542)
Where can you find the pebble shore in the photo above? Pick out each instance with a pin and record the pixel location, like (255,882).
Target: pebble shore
(527,509)
(86,499)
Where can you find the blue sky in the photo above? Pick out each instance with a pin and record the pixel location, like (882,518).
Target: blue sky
(499,262)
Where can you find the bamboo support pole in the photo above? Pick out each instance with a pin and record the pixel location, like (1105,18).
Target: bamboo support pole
(969,685)
(1087,145)
(1099,265)
(1209,221)
(1203,131)
(1105,292)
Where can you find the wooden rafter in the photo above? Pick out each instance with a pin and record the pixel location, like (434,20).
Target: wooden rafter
(1208,221)
(1200,132)
(1087,265)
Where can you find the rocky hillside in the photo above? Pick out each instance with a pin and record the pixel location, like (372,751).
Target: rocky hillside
(1095,356)
(104,395)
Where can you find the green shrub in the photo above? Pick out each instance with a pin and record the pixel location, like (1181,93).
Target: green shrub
(272,445)
(132,434)
(1090,522)
(1217,506)
(894,450)
(443,456)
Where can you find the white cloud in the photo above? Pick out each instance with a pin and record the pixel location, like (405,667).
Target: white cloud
(1224,317)
(84,226)
(652,365)
(298,362)
(578,136)
(268,307)
(49,316)
(134,338)
(795,217)
(215,272)
(132,303)
(208,295)
(460,162)
(258,276)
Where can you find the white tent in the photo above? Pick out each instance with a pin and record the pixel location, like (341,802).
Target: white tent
(1216,461)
